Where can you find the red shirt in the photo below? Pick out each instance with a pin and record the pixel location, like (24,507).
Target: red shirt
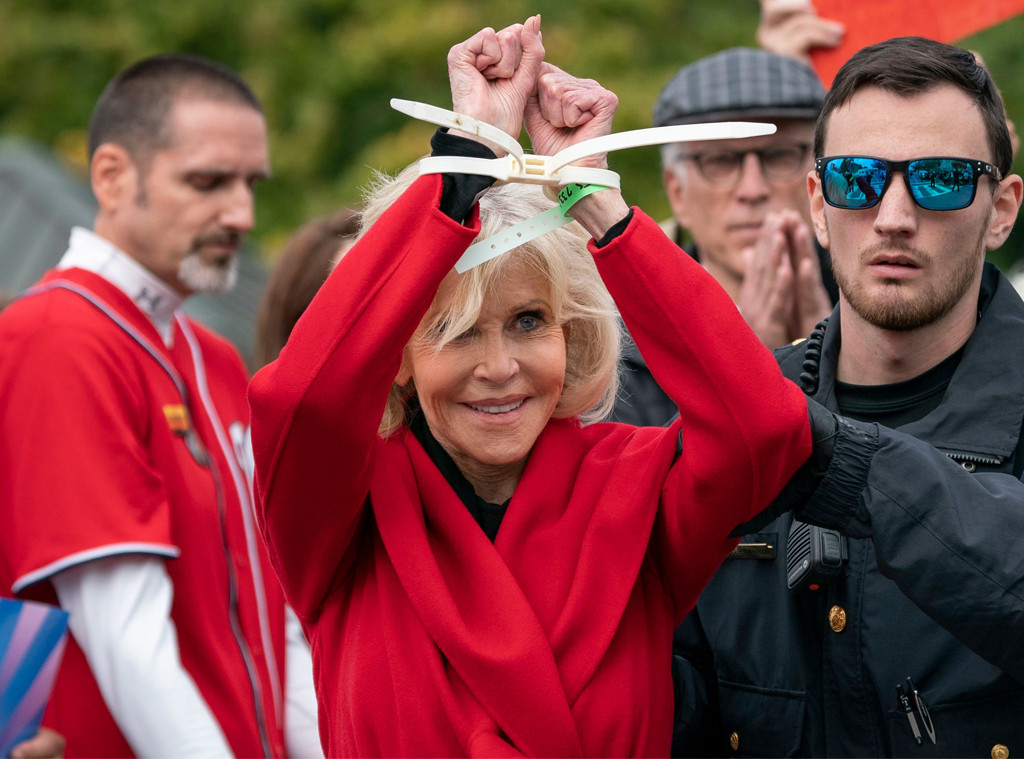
(555,640)
(101,455)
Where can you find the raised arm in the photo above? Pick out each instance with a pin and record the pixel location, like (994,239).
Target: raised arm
(744,427)
(317,409)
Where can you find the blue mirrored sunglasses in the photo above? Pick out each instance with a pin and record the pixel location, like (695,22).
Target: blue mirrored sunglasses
(936,184)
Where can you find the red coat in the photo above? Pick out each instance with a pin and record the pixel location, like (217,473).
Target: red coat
(91,466)
(427,639)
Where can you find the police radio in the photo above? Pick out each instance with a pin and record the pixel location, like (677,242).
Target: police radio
(815,556)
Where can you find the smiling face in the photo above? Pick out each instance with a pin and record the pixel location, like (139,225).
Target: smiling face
(489,393)
(184,213)
(898,266)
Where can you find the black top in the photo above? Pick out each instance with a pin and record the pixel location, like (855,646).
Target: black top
(898,403)
(487,515)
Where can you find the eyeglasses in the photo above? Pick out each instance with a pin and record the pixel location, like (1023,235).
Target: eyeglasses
(724,168)
(935,184)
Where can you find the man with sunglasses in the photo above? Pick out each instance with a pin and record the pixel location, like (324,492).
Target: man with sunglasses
(742,202)
(895,627)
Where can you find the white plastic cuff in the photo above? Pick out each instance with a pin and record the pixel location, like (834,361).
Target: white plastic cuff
(535,169)
(550,171)
(434,115)
(518,166)
(636,138)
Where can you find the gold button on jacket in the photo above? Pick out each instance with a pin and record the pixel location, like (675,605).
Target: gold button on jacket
(837,618)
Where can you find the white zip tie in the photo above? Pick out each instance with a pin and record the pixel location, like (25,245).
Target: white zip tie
(550,171)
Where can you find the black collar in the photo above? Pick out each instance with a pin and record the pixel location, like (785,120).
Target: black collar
(487,515)
(984,403)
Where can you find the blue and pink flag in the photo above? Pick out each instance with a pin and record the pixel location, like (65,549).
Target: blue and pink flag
(32,639)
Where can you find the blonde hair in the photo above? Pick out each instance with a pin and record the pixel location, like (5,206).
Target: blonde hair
(579,298)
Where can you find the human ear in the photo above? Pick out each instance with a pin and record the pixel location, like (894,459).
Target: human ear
(817,203)
(404,375)
(114,176)
(675,190)
(1005,205)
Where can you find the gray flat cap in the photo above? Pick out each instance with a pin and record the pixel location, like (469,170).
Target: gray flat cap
(740,83)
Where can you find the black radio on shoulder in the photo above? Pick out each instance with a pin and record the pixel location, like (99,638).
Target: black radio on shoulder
(815,556)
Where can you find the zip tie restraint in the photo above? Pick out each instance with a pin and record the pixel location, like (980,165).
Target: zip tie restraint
(550,171)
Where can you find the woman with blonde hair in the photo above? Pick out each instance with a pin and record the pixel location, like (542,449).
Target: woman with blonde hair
(479,571)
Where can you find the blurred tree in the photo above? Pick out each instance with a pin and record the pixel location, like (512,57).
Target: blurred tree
(326,70)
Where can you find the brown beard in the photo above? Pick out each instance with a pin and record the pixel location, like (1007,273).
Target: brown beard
(893,308)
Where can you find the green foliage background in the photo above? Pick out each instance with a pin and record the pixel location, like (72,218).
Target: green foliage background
(326,70)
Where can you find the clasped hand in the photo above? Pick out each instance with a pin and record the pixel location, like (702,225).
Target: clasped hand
(501,78)
(782,296)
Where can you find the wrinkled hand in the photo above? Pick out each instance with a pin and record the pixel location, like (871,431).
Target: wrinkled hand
(566,110)
(46,744)
(791,27)
(782,296)
(493,74)
(766,295)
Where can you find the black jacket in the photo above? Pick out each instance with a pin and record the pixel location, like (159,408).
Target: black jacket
(933,587)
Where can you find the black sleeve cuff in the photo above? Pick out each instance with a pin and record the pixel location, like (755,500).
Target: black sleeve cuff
(615,230)
(836,501)
(460,192)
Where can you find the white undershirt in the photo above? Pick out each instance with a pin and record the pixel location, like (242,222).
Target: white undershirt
(301,733)
(120,614)
(120,606)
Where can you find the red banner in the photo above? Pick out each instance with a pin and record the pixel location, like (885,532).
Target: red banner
(869,21)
